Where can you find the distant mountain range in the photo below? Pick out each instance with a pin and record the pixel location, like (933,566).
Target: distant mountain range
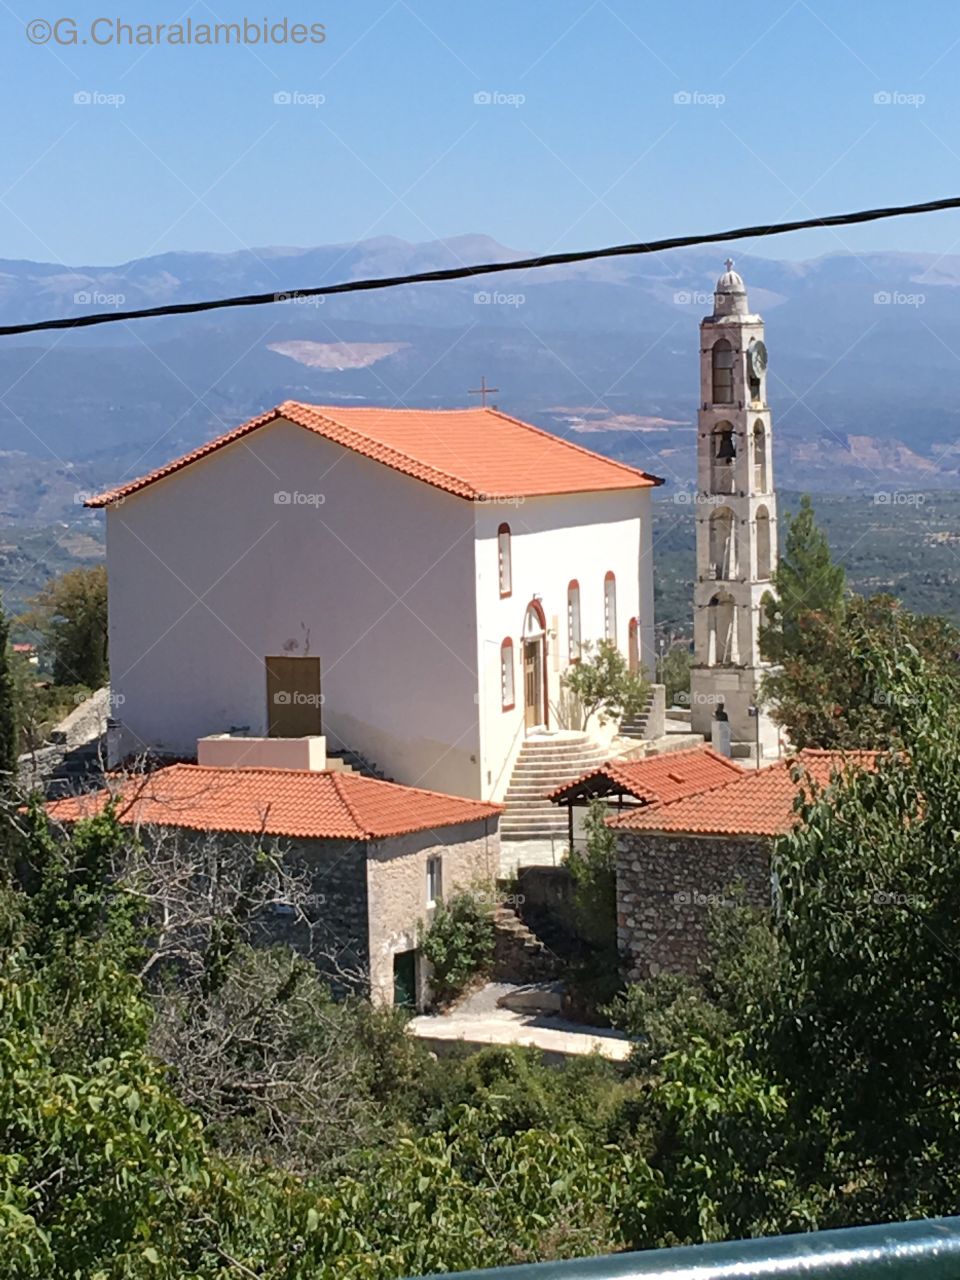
(864,350)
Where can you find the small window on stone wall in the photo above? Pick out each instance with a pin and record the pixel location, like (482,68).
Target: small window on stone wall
(434,881)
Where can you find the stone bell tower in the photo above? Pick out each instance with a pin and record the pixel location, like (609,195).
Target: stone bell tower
(736,521)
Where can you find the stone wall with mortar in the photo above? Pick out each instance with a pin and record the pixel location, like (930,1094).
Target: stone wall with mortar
(336,931)
(666,887)
(397,890)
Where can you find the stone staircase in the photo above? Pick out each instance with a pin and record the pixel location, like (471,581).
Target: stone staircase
(545,763)
(648,723)
(79,769)
(343,760)
(638,725)
(519,955)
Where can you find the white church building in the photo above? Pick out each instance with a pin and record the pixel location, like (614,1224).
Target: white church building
(410,583)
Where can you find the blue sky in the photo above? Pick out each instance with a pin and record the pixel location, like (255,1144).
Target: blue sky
(584,143)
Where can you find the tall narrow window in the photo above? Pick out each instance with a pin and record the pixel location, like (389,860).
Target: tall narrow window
(610,608)
(434,881)
(759,457)
(573,621)
(506,675)
(503,550)
(763,543)
(722,357)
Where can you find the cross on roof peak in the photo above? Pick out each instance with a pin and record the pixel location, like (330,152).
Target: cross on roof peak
(483,391)
(729,264)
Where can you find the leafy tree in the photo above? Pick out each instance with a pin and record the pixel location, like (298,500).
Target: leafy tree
(675,675)
(9,717)
(594,871)
(806,581)
(71,615)
(866,1021)
(603,684)
(458,943)
(829,693)
(40,704)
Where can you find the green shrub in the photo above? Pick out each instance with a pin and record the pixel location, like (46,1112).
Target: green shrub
(458,943)
(594,872)
(665,1014)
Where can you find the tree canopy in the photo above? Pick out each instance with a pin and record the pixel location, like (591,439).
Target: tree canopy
(70,614)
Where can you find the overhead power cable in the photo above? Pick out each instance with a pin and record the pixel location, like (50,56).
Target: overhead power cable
(482,269)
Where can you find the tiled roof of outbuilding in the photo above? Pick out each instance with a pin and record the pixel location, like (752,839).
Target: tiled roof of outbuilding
(295,803)
(757,803)
(658,778)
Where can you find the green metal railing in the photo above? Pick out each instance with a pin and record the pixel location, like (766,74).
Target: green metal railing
(924,1250)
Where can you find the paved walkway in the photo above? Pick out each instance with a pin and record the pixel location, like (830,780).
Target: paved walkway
(479,1021)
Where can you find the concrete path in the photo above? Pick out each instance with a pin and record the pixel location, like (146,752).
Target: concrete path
(479,1021)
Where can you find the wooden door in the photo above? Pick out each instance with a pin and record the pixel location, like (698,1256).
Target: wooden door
(405,979)
(294,701)
(532,683)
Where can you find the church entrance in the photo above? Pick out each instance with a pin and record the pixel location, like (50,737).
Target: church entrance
(534,668)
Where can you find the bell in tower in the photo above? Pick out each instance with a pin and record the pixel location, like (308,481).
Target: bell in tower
(725,446)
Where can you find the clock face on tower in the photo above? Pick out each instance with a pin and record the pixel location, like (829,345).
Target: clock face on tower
(757,358)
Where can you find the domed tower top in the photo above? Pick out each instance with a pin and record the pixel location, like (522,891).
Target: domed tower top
(730,295)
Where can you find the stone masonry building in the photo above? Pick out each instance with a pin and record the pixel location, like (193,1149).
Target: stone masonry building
(678,860)
(378,857)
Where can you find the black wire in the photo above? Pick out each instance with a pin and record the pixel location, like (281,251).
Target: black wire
(483,269)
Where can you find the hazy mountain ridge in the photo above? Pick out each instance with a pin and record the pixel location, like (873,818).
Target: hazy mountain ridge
(864,374)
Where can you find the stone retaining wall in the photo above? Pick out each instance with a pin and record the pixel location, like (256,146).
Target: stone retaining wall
(666,887)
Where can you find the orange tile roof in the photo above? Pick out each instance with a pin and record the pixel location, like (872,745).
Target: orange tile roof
(659,778)
(473,453)
(277,802)
(757,803)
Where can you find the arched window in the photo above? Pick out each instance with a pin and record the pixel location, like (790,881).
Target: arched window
(573,621)
(723,543)
(722,359)
(503,552)
(722,644)
(507,696)
(759,457)
(723,456)
(763,543)
(610,608)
